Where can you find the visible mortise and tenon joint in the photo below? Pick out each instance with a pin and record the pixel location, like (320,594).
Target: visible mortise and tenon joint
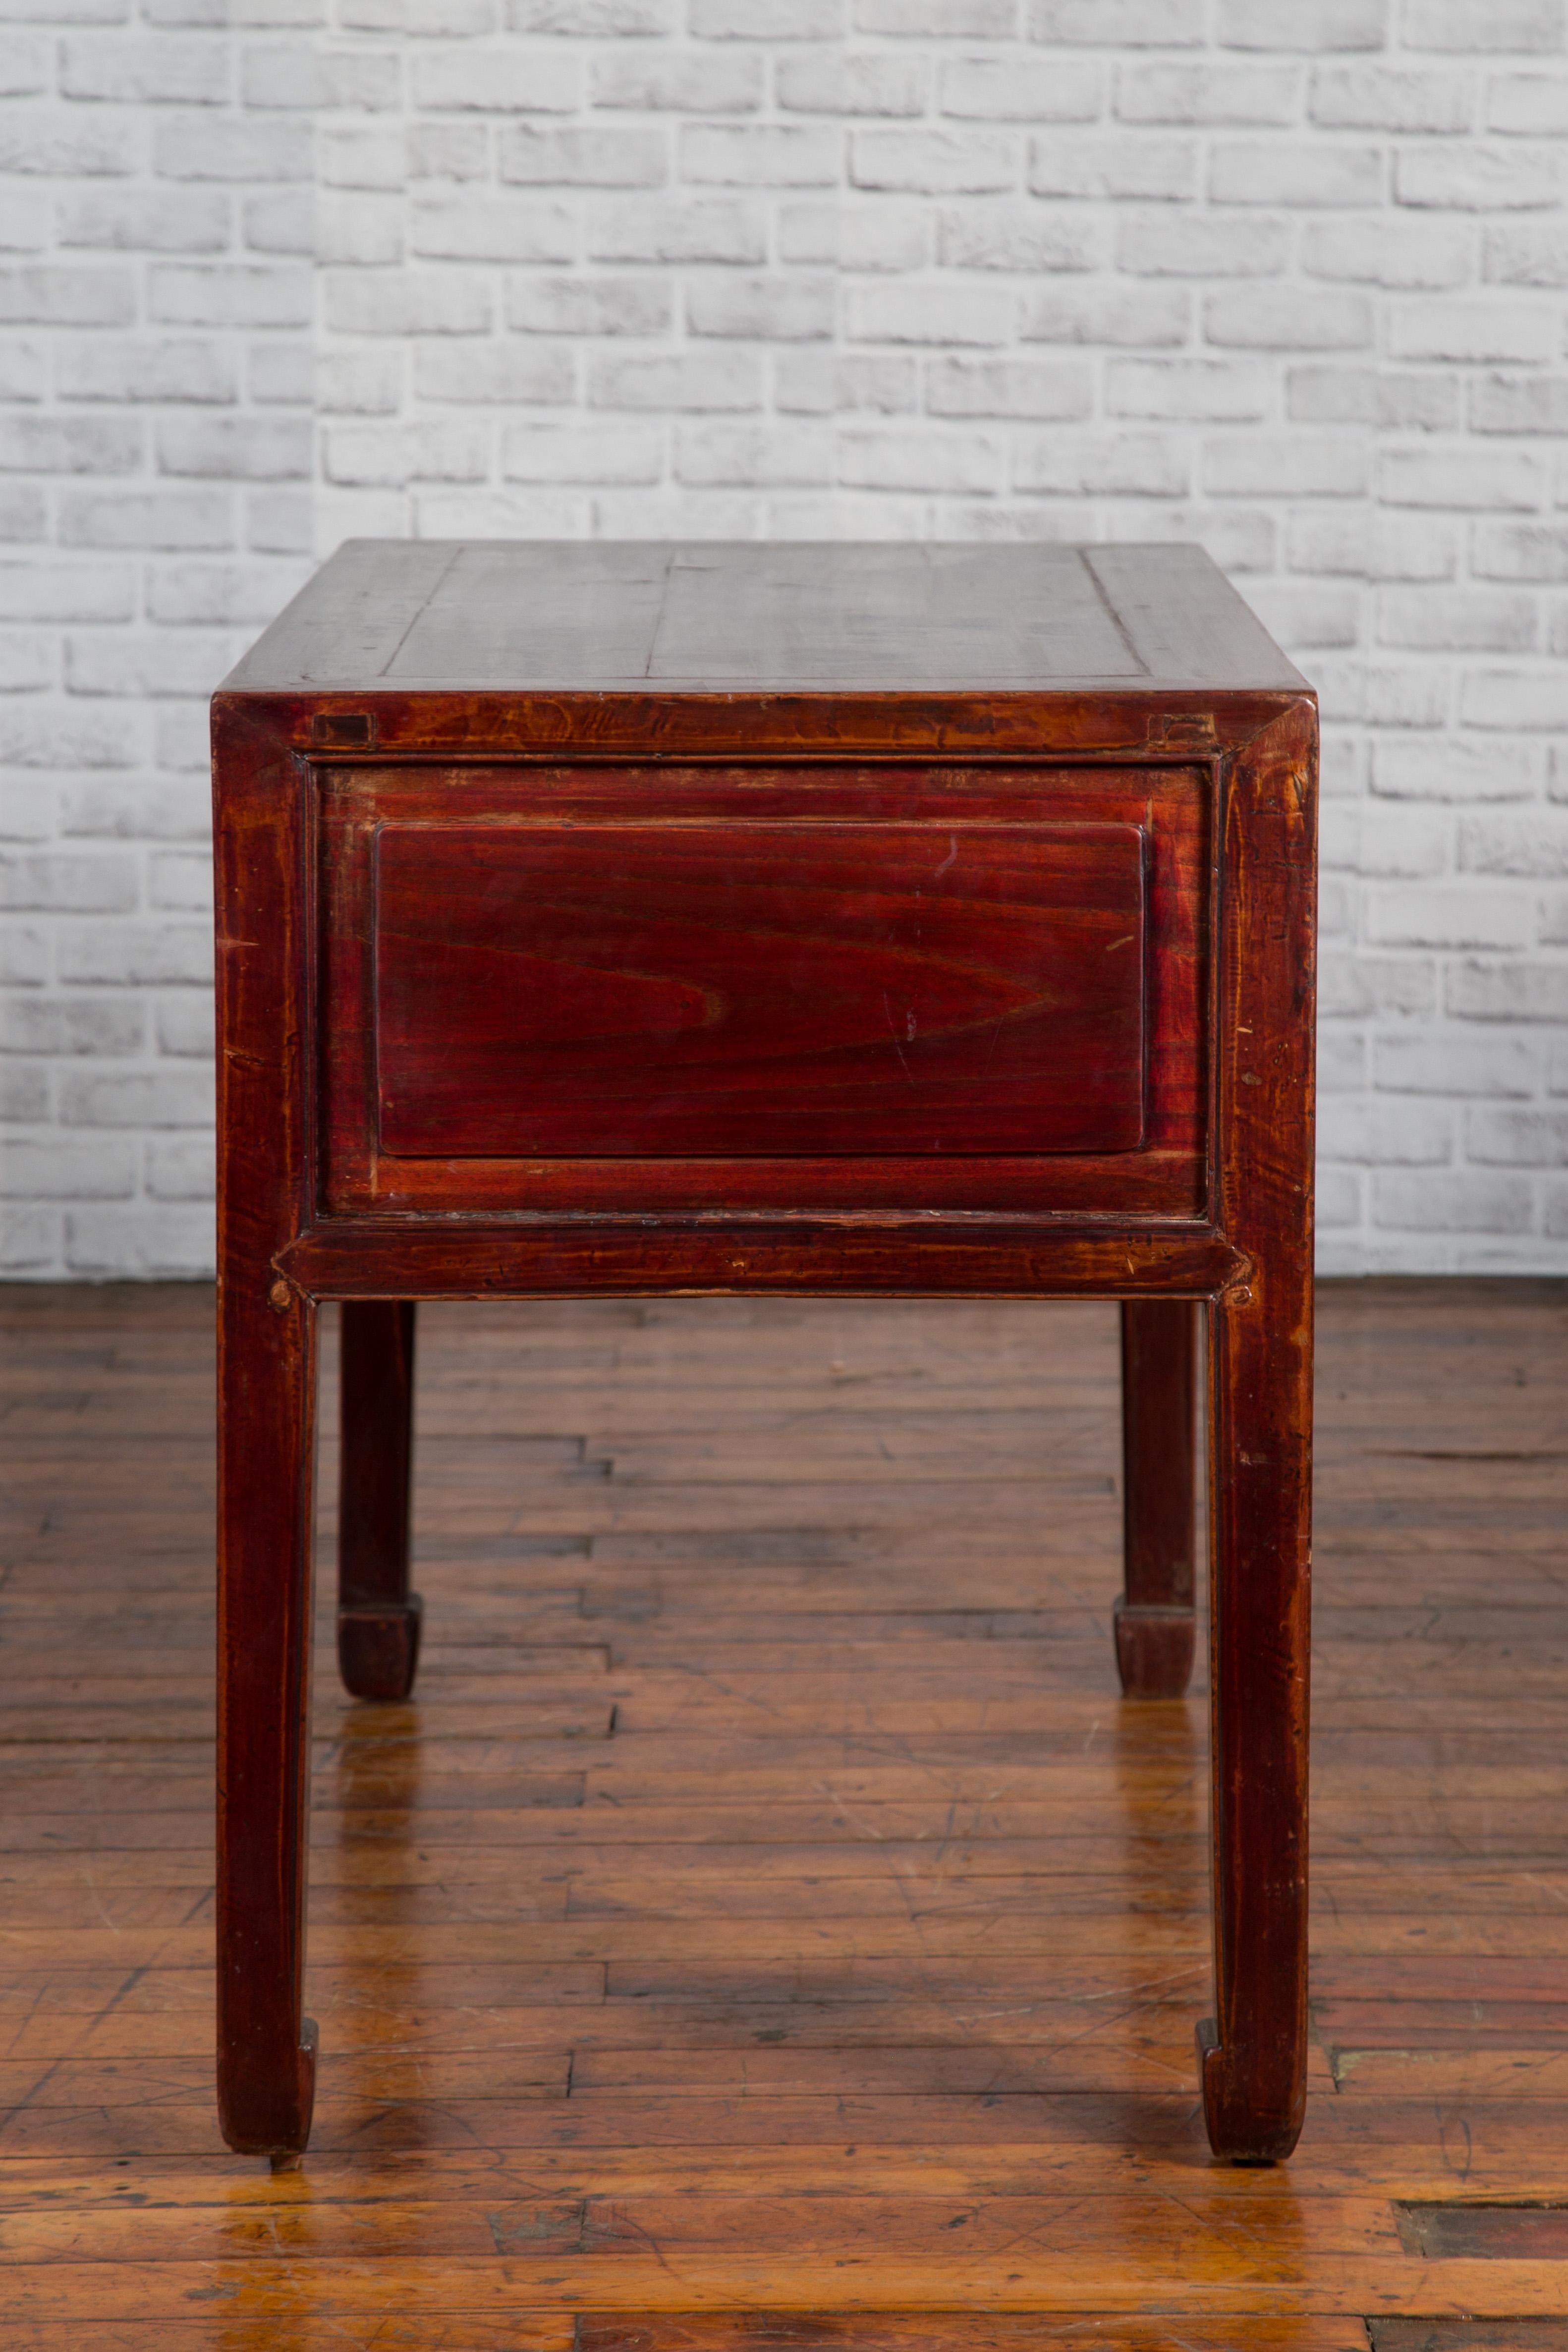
(379,1618)
(1154,1621)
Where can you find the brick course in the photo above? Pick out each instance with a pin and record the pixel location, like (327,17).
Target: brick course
(1286,276)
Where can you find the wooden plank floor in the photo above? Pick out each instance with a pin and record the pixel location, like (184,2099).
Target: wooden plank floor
(767,1927)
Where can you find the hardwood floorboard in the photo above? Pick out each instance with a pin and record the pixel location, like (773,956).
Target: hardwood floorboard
(767,1930)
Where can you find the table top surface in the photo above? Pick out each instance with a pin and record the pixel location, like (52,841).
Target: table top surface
(486,617)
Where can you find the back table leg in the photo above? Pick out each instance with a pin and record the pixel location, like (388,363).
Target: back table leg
(378,1617)
(266,1427)
(1154,1621)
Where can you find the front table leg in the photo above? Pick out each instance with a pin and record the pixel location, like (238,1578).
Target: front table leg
(378,1617)
(267,1383)
(1254,2057)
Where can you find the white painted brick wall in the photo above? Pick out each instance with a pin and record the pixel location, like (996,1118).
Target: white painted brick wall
(1286,276)
(156,455)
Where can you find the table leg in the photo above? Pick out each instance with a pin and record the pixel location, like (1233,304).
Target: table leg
(267,1395)
(1253,2056)
(1155,1617)
(378,1617)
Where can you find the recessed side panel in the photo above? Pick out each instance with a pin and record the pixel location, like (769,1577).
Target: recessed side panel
(676,990)
(1068,854)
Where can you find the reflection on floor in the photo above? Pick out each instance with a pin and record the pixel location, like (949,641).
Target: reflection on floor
(766,1926)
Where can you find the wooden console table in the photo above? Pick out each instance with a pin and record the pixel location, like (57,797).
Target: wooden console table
(884,920)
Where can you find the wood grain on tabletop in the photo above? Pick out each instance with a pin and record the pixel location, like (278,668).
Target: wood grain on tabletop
(767,1926)
(572,617)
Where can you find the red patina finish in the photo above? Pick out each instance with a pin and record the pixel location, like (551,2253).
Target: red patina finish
(884,920)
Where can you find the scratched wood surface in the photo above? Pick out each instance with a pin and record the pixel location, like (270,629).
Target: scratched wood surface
(767,1928)
(770,988)
(657,986)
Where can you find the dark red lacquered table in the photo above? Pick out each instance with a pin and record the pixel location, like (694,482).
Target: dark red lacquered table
(873,919)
